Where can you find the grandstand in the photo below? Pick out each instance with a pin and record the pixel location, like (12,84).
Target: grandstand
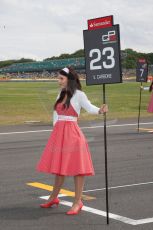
(50,66)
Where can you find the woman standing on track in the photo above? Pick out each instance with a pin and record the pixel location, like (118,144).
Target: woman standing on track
(150,106)
(67,152)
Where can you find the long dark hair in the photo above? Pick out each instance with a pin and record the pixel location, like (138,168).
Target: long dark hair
(72,85)
(150,88)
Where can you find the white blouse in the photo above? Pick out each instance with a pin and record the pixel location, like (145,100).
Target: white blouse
(78,100)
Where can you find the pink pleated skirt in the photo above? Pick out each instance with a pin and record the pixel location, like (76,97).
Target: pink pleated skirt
(67,151)
(150,106)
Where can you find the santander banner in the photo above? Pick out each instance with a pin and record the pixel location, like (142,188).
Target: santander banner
(98,23)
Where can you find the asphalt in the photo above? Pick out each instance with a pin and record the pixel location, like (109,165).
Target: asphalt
(130,179)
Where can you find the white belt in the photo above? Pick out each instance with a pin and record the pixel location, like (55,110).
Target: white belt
(67,118)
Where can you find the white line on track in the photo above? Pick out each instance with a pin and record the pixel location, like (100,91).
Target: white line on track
(87,127)
(120,186)
(103,213)
(120,218)
(96,211)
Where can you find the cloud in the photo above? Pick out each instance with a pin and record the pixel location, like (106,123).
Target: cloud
(43,28)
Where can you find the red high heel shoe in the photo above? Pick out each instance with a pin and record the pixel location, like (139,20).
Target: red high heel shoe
(71,212)
(50,203)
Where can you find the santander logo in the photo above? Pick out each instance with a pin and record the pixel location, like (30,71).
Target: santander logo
(100,22)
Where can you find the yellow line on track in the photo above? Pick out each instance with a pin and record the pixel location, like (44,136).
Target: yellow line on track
(146,129)
(62,191)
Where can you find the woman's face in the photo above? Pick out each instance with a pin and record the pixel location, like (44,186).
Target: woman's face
(62,80)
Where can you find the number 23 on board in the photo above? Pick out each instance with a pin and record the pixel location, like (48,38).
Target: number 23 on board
(108,64)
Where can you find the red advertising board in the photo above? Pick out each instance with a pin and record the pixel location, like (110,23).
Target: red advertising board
(142,60)
(98,23)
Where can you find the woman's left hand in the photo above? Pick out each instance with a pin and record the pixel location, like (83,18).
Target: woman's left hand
(103,109)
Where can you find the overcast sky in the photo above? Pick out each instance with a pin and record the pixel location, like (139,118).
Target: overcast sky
(43,28)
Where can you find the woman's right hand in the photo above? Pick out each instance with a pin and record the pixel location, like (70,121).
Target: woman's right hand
(103,109)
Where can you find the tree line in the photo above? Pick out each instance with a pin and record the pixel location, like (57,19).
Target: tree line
(129,58)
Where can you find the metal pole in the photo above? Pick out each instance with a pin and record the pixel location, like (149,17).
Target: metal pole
(105,149)
(139,107)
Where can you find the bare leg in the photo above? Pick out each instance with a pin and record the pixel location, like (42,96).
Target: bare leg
(57,186)
(79,183)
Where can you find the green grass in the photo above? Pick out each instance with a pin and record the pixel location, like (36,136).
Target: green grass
(25,101)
